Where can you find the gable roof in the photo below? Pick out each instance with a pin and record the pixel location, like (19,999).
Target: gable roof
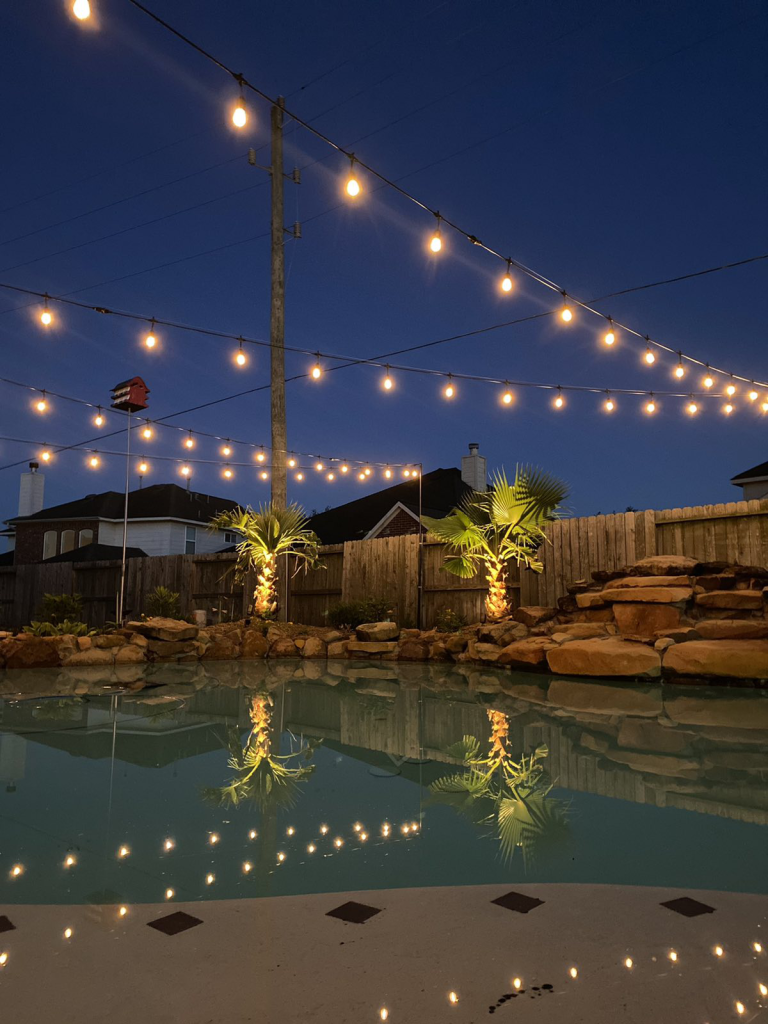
(441,490)
(97,553)
(756,473)
(160,501)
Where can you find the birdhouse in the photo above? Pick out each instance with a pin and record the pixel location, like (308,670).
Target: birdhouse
(130,395)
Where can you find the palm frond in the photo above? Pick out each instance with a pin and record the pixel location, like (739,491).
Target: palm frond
(465,750)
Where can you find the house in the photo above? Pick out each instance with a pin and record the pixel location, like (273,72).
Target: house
(753,482)
(164,519)
(394,511)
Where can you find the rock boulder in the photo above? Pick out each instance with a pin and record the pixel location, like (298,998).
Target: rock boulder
(530,653)
(159,628)
(533,615)
(738,659)
(604,659)
(645,619)
(377,631)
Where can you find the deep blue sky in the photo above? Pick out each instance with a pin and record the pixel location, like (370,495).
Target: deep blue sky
(630,145)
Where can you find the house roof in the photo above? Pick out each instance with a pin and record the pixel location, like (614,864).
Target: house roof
(97,553)
(756,473)
(160,501)
(441,490)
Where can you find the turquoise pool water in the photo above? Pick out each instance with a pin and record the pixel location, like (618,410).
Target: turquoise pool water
(89,766)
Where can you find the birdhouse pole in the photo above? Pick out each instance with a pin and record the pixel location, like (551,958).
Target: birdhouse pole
(129,396)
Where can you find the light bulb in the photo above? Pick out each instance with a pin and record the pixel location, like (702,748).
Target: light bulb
(46,455)
(123,911)
(740,1007)
(708,381)
(319,467)
(46,318)
(352,187)
(363,837)
(143,468)
(41,405)
(507,397)
(763,989)
(449,390)
(650,407)
(299,477)
(338,842)
(330,477)
(406,472)
(752,396)
(559,401)
(757,947)
(730,390)
(168,844)
(291,463)
(226,450)
(436,242)
(609,405)
(70,860)
(147,433)
(691,408)
(610,336)
(3,959)
(150,340)
(317,371)
(124,851)
(672,956)
(281,857)
(169,894)
(629,963)
(186,471)
(253,834)
(189,442)
(94,462)
(574,973)
(718,951)
(517,983)
(367,470)
(679,371)
(68,933)
(264,475)
(311,848)
(99,419)
(240,357)
(387,383)
(239,114)
(453,997)
(210,879)
(649,357)
(227,474)
(506,282)
(566,314)
(260,457)
(388,473)
(17,870)
(384,1013)
(343,468)
(727,408)
(361,476)
(247,867)
(81,9)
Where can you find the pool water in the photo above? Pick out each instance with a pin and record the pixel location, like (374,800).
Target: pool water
(391,780)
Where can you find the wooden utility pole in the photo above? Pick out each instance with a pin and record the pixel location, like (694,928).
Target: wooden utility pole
(277,318)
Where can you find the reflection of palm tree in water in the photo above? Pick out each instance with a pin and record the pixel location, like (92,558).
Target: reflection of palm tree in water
(513,796)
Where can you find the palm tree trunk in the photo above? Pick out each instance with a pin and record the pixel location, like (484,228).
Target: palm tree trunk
(265,594)
(496,603)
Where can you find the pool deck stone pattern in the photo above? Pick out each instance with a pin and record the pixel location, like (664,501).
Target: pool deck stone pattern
(585,954)
(666,616)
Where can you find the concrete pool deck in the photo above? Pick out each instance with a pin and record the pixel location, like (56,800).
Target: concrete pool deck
(284,960)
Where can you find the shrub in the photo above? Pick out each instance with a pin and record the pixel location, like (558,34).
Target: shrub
(65,628)
(56,608)
(164,603)
(448,621)
(352,613)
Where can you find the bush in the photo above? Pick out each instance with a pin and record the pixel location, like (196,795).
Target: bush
(448,621)
(57,608)
(350,614)
(164,603)
(65,628)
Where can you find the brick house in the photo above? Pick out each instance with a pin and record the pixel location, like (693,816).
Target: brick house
(394,511)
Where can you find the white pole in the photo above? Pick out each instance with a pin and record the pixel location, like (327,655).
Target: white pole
(125,522)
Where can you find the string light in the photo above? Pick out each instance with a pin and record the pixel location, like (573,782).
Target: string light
(436,241)
(764,407)
(45,455)
(143,467)
(727,408)
(388,473)
(3,959)
(124,851)
(507,398)
(319,467)
(752,395)
(189,442)
(506,281)
(629,963)
(517,983)
(46,316)
(226,449)
(757,947)
(384,1013)
(240,357)
(740,1007)
(453,998)
(449,390)
(185,470)
(388,383)
(650,405)
(291,462)
(317,370)
(264,475)
(324,830)
(94,462)
(559,401)
(260,457)
(708,381)
(610,335)
(150,339)
(672,955)
(338,842)
(281,857)
(147,433)
(170,893)
(247,867)
(311,848)
(41,404)
(68,933)
(210,878)
(566,313)
(679,369)
(609,405)
(718,951)
(650,356)
(692,408)
(574,973)
(122,911)
(168,845)
(17,870)
(352,187)
(70,860)
(731,389)
(81,9)
(344,468)
(330,477)
(99,419)
(763,989)
(361,476)
(299,477)
(240,113)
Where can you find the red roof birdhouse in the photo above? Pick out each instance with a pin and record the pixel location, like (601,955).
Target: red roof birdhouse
(130,395)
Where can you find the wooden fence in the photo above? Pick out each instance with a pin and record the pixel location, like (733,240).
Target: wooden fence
(388,568)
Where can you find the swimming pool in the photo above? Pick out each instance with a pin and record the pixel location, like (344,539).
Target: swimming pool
(143,788)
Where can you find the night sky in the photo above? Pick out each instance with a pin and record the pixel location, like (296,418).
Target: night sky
(606,145)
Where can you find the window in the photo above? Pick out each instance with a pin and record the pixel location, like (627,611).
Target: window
(86,537)
(49,543)
(230,538)
(67,541)
(189,540)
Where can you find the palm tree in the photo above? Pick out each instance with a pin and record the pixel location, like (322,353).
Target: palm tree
(268,533)
(512,796)
(505,523)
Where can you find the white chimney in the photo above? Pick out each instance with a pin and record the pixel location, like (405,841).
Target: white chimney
(473,469)
(31,490)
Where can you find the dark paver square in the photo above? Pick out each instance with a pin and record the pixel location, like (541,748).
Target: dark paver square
(355,913)
(518,901)
(173,924)
(688,907)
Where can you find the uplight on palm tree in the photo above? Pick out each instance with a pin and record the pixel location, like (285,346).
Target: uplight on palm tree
(267,534)
(491,528)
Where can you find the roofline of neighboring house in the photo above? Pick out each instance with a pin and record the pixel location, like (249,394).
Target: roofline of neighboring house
(737,481)
(106,519)
(397,507)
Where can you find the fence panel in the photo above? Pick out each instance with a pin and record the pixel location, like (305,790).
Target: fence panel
(311,594)
(386,567)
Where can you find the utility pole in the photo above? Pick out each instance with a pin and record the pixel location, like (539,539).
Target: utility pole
(277,318)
